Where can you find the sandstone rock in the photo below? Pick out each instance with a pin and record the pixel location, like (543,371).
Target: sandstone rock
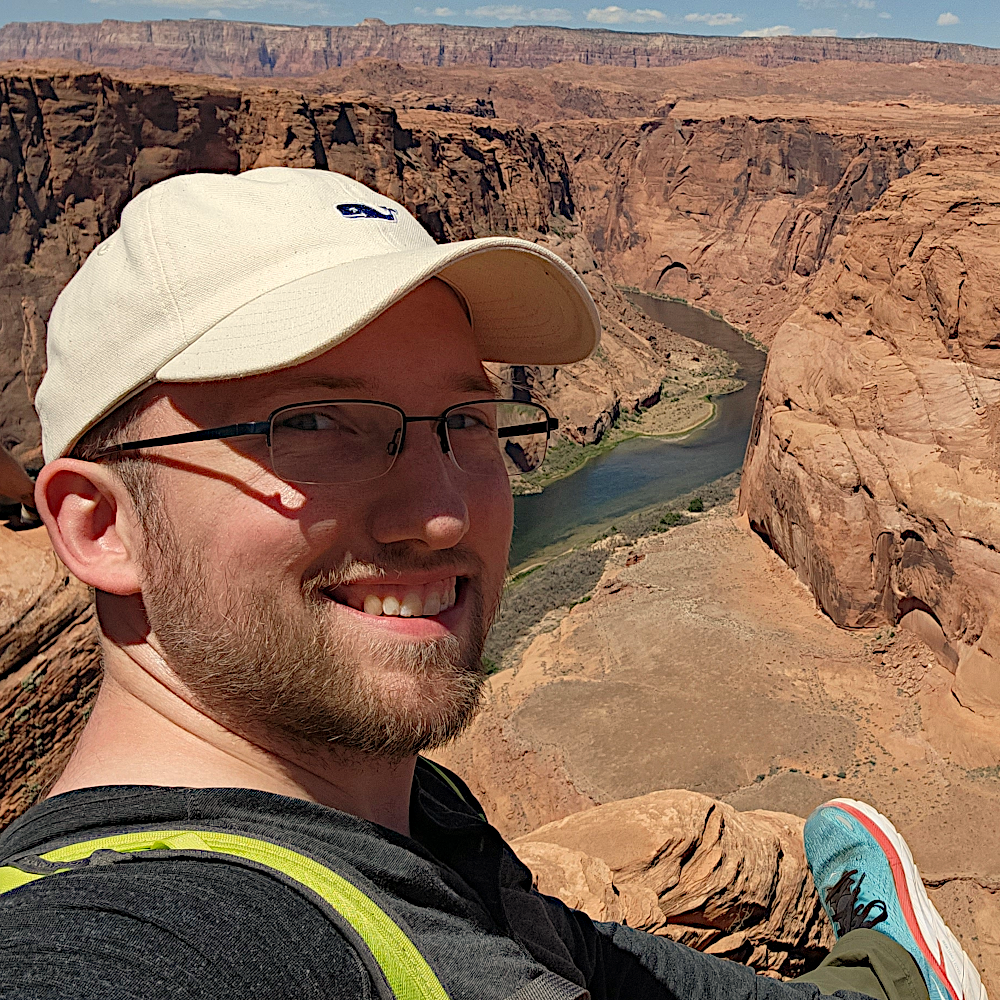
(873,464)
(49,666)
(231,48)
(15,486)
(684,865)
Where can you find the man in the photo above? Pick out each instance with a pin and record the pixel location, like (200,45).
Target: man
(274,453)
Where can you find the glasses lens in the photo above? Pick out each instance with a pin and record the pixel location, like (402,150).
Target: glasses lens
(335,442)
(490,437)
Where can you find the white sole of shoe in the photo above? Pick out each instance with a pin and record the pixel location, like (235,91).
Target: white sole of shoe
(941,949)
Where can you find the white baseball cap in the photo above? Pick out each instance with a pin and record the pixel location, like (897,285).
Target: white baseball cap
(215,276)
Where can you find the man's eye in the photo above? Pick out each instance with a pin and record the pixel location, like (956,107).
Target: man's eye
(308,422)
(467,421)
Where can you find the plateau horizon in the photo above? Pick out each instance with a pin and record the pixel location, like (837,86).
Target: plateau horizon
(943,21)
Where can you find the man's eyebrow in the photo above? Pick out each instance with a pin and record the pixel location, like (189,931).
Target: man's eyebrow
(475,383)
(464,383)
(334,382)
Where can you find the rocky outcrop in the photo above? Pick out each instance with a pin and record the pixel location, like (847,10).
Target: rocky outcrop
(76,146)
(232,48)
(49,666)
(679,864)
(700,662)
(874,462)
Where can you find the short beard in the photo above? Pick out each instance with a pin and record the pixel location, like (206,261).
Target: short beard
(280,678)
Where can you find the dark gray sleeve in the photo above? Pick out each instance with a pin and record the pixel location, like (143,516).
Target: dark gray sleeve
(172,930)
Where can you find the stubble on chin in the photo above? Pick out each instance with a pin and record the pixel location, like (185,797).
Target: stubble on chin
(277,673)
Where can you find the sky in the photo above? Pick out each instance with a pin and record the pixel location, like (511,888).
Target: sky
(973,21)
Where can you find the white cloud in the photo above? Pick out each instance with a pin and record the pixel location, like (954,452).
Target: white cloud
(778,29)
(714,20)
(837,4)
(865,34)
(215,8)
(515,12)
(824,32)
(436,12)
(885,15)
(619,15)
(946,19)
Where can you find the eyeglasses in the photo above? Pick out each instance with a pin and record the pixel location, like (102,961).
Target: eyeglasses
(354,440)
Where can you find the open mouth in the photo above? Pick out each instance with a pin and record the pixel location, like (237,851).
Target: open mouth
(399,600)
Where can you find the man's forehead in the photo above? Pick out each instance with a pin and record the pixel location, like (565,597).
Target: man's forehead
(295,380)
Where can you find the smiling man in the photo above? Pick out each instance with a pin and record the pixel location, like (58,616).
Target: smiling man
(274,453)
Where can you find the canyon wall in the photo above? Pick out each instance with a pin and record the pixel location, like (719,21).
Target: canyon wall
(874,462)
(733,211)
(232,48)
(76,146)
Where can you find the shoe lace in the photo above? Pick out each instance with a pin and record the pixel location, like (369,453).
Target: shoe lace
(848,914)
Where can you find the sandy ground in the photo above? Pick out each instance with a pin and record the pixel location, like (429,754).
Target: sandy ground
(702,663)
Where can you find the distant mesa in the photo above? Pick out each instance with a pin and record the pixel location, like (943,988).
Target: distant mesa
(244,49)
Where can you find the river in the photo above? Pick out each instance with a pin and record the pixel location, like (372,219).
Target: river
(644,471)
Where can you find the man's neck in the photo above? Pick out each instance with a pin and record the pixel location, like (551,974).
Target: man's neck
(141,733)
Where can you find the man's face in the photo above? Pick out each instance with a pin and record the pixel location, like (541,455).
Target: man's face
(264,596)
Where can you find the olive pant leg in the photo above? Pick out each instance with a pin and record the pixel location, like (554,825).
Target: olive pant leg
(871,963)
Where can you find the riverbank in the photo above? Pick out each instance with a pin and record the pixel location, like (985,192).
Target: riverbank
(631,292)
(681,411)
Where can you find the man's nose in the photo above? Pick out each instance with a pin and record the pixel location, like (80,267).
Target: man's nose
(424,497)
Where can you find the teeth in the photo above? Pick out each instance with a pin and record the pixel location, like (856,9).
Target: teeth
(412,606)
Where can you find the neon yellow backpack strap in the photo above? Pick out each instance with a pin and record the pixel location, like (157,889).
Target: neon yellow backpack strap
(405,969)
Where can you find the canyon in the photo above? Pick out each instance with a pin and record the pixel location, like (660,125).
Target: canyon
(833,630)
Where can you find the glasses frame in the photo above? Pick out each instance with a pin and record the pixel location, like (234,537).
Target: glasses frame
(256,428)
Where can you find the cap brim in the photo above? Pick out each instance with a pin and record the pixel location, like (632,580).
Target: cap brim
(528,307)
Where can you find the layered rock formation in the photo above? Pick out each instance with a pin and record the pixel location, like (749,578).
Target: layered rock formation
(231,48)
(77,146)
(685,866)
(874,467)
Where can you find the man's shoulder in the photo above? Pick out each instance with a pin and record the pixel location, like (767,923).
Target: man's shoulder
(172,927)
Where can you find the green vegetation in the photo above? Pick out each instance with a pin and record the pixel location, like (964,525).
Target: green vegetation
(697,505)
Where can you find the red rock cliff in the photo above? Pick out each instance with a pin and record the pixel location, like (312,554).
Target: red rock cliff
(874,462)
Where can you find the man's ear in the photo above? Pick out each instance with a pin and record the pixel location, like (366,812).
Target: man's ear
(92,524)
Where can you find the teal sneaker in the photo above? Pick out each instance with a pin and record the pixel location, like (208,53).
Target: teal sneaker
(865,877)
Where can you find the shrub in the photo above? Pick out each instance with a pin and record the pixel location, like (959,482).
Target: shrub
(697,505)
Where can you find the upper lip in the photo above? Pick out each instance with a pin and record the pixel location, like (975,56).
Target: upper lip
(406,579)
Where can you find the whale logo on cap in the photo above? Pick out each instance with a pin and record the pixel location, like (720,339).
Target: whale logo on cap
(358,211)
